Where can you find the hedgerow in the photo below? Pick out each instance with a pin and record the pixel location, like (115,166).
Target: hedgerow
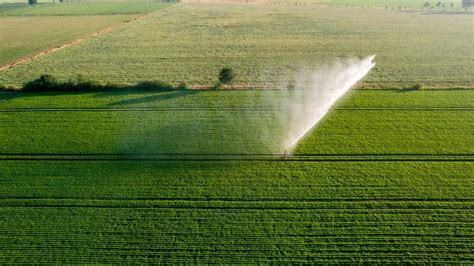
(48,83)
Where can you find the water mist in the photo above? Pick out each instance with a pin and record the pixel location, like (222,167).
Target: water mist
(315,93)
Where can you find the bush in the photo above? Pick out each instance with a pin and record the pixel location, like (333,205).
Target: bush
(86,85)
(182,86)
(32,2)
(2,87)
(418,86)
(226,75)
(43,83)
(154,86)
(49,83)
(426,4)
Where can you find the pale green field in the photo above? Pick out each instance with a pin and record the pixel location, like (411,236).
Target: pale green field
(30,35)
(411,4)
(33,29)
(270,44)
(67,9)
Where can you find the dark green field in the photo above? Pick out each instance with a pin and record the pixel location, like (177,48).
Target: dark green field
(184,177)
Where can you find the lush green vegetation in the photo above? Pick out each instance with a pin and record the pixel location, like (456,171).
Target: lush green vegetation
(97,173)
(82,9)
(136,211)
(268,43)
(234,122)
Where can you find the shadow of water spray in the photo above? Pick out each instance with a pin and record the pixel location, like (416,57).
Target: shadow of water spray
(266,122)
(313,95)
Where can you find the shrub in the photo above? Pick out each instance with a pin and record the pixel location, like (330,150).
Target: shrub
(418,86)
(426,4)
(86,85)
(226,75)
(182,86)
(2,87)
(49,83)
(154,86)
(217,86)
(43,83)
(32,2)
(83,84)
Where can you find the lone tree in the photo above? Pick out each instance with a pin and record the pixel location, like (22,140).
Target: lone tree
(467,3)
(226,75)
(32,2)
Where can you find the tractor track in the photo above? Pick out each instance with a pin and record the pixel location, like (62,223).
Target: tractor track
(240,157)
(184,109)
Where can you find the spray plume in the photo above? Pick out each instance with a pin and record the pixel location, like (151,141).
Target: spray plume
(314,94)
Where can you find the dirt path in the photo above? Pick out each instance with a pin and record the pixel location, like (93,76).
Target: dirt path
(28,59)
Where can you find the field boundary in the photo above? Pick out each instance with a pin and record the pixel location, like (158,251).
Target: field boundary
(28,59)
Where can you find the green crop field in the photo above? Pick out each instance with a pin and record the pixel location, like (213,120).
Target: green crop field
(200,176)
(67,9)
(34,29)
(227,212)
(146,124)
(175,177)
(269,44)
(26,39)
(411,4)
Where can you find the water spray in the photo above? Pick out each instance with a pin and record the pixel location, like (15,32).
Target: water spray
(317,94)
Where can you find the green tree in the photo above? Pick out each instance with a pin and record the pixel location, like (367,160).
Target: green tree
(226,75)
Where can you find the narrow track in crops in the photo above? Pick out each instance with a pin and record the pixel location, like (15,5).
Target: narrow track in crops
(243,200)
(184,109)
(240,157)
(463,204)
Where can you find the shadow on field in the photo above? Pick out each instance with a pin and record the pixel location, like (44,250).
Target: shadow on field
(405,90)
(154,98)
(6,96)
